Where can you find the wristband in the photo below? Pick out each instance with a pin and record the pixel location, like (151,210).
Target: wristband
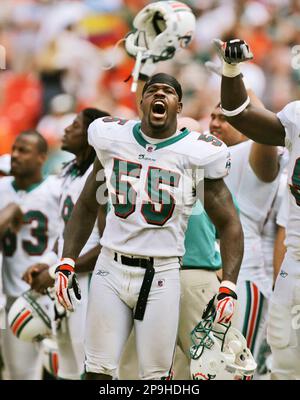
(237,111)
(68,261)
(229,285)
(230,70)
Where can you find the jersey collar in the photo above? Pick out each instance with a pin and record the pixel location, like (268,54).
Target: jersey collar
(139,138)
(29,189)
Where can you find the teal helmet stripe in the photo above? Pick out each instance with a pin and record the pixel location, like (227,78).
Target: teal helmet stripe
(22,326)
(16,317)
(37,308)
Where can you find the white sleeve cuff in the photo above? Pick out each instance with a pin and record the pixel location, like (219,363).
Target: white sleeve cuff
(237,111)
(228,284)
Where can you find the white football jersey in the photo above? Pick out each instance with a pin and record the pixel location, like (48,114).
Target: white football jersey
(270,227)
(254,199)
(38,233)
(253,196)
(152,186)
(283,212)
(72,185)
(290,119)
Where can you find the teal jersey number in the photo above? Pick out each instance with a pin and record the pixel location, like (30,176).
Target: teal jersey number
(124,188)
(39,233)
(67,209)
(295,187)
(9,243)
(155,177)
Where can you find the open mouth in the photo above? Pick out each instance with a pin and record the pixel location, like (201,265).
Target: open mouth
(159,108)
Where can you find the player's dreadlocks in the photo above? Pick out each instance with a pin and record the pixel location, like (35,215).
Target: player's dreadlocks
(89,115)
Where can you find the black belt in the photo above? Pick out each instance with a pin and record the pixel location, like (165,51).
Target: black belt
(146,284)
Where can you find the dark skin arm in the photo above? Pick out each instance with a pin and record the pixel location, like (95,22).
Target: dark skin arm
(220,208)
(86,210)
(259,124)
(263,159)
(39,276)
(11,217)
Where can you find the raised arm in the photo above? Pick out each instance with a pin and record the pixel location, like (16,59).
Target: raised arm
(259,124)
(263,159)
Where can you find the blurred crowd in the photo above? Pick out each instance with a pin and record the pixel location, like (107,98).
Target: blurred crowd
(64,55)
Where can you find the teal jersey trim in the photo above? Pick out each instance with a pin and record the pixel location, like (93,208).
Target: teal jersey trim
(200,239)
(29,189)
(141,141)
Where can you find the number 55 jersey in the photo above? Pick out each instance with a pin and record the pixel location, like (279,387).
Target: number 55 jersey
(37,235)
(152,187)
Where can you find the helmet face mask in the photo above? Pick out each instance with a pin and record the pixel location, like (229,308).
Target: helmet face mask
(30,316)
(219,352)
(161,28)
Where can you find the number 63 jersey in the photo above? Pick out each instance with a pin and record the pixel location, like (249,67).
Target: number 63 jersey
(152,187)
(40,205)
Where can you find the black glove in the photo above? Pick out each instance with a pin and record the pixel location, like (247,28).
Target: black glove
(233,51)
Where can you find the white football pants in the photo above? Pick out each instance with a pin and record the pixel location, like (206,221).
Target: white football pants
(70,336)
(113,296)
(283,330)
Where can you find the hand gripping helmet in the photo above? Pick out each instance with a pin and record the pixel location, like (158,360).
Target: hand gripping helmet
(30,316)
(161,28)
(50,356)
(219,352)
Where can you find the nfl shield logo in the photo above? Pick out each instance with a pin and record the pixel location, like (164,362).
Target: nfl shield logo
(150,148)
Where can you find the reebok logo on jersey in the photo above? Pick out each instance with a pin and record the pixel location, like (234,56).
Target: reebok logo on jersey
(283,274)
(101,272)
(144,157)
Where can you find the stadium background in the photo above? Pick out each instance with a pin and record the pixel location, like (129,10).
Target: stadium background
(57,52)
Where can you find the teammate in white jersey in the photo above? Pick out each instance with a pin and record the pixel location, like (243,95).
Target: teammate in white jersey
(152,190)
(279,129)
(28,229)
(74,174)
(4,171)
(253,180)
